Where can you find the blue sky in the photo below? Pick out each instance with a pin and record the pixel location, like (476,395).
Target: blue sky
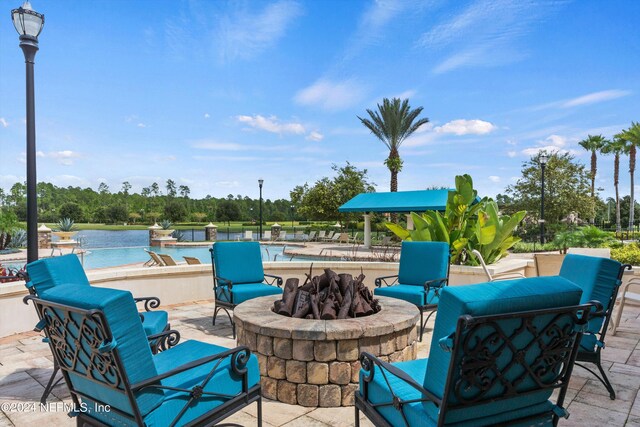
(217,94)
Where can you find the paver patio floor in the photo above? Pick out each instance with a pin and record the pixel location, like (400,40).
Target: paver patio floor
(26,364)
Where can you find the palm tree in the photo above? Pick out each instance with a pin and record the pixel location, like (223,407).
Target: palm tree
(392,124)
(631,137)
(593,143)
(615,147)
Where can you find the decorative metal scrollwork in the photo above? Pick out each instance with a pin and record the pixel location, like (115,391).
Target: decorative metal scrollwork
(239,360)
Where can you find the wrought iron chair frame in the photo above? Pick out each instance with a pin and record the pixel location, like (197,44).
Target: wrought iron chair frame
(110,361)
(158,342)
(465,328)
(227,291)
(436,284)
(595,357)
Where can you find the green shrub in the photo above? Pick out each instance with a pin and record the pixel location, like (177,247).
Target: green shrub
(627,254)
(528,247)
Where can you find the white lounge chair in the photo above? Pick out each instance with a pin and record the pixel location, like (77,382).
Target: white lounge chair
(248,235)
(266,235)
(329,237)
(312,236)
(321,235)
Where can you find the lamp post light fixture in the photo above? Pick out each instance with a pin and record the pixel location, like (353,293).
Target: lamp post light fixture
(543,159)
(28,24)
(260,182)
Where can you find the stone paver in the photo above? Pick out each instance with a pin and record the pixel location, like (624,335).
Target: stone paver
(25,366)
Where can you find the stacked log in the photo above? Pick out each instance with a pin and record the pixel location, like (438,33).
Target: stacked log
(327,296)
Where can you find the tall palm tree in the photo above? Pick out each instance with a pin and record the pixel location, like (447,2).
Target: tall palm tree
(616,147)
(392,124)
(593,143)
(632,138)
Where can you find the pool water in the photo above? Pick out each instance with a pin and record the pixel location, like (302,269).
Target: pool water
(111,257)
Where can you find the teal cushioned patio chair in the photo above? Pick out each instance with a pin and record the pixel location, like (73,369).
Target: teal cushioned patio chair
(99,343)
(498,352)
(238,276)
(424,271)
(599,279)
(47,273)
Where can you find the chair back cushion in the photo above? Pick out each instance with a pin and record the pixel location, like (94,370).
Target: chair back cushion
(598,279)
(77,337)
(48,272)
(492,299)
(239,262)
(423,261)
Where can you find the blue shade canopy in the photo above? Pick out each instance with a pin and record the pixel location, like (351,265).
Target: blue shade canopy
(401,201)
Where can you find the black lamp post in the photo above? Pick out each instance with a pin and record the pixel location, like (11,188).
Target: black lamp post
(260,182)
(543,162)
(292,208)
(29,24)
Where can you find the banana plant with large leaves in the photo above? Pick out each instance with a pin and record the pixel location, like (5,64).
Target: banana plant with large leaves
(468,223)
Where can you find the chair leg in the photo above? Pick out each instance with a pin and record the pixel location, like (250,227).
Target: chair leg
(260,412)
(51,384)
(357,422)
(215,314)
(605,380)
(421,324)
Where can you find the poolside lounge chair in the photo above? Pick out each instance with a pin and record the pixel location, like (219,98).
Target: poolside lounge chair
(342,237)
(238,276)
(298,236)
(321,235)
(485,366)
(632,284)
(168,260)
(248,235)
(329,236)
(385,241)
(424,272)
(191,260)
(98,342)
(498,276)
(266,235)
(354,239)
(49,273)
(312,236)
(154,261)
(599,279)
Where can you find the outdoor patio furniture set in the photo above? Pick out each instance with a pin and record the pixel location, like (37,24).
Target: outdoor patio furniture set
(498,349)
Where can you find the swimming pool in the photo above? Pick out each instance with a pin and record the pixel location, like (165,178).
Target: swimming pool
(112,257)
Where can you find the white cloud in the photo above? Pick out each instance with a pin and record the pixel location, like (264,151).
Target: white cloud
(271,124)
(512,154)
(218,146)
(141,125)
(207,115)
(227,184)
(247,34)
(466,127)
(494,178)
(315,136)
(551,144)
(331,95)
(65,157)
(3,122)
(68,181)
(595,97)
(484,33)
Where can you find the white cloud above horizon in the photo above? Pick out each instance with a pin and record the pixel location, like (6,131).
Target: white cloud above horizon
(246,32)
(315,136)
(331,95)
(467,127)
(551,144)
(271,124)
(595,97)
(3,122)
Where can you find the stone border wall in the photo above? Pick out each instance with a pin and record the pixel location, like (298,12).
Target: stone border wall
(315,362)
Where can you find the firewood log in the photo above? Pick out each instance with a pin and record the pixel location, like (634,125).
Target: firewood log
(289,297)
(315,306)
(329,308)
(346,304)
(302,304)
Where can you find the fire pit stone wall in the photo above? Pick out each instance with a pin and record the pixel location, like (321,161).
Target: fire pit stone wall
(315,362)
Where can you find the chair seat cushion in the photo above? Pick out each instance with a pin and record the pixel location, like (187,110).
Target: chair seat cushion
(379,393)
(588,343)
(247,291)
(223,381)
(410,293)
(154,322)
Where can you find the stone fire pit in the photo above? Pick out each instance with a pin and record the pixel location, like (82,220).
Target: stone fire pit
(315,362)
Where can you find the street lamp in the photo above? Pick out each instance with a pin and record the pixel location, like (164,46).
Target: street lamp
(292,208)
(543,159)
(260,182)
(29,24)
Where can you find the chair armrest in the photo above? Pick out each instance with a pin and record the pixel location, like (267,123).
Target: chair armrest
(380,280)
(368,363)
(149,302)
(239,358)
(436,284)
(164,340)
(225,282)
(276,279)
(507,276)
